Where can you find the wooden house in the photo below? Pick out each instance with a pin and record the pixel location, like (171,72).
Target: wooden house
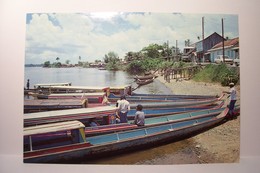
(231,48)
(203,46)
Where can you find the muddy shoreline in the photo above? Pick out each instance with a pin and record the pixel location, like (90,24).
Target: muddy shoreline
(217,145)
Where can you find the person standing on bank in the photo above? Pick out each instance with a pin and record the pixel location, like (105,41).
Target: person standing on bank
(123,108)
(233,99)
(139,116)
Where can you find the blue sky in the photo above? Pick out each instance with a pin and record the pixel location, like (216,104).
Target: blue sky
(92,35)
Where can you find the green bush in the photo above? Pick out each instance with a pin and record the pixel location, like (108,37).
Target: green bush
(217,74)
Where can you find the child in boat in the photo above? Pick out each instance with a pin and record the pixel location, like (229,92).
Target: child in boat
(93,122)
(139,116)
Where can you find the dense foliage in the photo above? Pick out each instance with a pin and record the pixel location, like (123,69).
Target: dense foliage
(218,73)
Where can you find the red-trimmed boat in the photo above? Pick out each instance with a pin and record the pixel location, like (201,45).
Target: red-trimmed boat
(73,145)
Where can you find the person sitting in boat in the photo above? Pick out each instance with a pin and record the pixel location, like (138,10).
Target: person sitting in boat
(139,116)
(122,109)
(93,122)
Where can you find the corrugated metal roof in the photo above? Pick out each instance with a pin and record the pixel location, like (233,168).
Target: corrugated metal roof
(227,43)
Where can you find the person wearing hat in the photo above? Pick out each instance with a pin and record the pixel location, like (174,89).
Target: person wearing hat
(233,99)
(122,108)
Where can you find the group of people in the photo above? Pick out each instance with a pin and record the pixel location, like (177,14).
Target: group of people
(123,106)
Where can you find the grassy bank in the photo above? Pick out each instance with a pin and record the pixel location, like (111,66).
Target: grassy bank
(222,74)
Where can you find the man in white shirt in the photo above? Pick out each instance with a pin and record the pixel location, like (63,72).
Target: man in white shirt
(123,108)
(233,99)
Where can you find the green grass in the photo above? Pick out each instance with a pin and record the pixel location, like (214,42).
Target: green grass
(217,74)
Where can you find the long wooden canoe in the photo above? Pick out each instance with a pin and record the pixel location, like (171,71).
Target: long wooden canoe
(106,113)
(75,146)
(92,97)
(41,105)
(175,103)
(144,81)
(145,77)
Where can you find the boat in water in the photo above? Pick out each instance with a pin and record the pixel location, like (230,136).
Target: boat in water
(75,145)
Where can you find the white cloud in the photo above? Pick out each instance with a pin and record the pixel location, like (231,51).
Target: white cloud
(69,36)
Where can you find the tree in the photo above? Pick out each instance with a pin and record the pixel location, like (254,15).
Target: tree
(57,59)
(46,64)
(131,56)
(152,51)
(112,61)
(67,61)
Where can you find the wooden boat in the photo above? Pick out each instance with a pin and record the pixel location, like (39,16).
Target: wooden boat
(176,103)
(47,85)
(144,81)
(117,91)
(53,104)
(74,145)
(104,129)
(136,96)
(177,96)
(155,121)
(155,112)
(79,89)
(105,115)
(54,89)
(158,120)
(145,77)
(91,97)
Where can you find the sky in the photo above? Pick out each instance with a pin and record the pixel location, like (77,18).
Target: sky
(92,35)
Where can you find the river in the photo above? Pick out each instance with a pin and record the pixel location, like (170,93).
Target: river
(172,153)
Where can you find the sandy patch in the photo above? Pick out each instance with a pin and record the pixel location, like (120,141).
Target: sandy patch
(220,144)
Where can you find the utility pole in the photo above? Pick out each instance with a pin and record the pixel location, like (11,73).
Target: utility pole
(168,57)
(223,41)
(176,51)
(203,59)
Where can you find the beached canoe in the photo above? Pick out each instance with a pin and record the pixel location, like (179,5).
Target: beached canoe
(145,77)
(136,96)
(155,112)
(159,120)
(144,81)
(155,121)
(91,97)
(41,105)
(76,146)
(175,103)
(105,114)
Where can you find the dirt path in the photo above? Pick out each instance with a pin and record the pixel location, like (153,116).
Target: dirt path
(220,144)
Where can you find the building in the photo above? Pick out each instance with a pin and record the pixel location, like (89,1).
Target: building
(231,48)
(203,46)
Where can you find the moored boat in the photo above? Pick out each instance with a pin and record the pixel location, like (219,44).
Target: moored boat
(104,113)
(91,97)
(145,77)
(175,103)
(144,81)
(39,105)
(75,146)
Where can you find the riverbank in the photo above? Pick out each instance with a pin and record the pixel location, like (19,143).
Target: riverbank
(220,144)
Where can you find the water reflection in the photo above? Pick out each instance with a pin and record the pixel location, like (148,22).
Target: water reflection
(89,77)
